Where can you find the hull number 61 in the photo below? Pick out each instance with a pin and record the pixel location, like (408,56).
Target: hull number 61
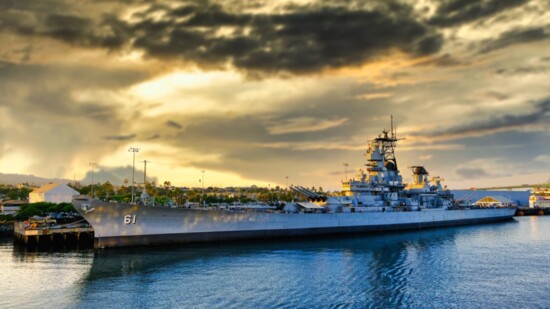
(128,219)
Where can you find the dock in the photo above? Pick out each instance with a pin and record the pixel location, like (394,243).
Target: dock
(526,211)
(56,235)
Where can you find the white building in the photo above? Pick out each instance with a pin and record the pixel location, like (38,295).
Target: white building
(11,207)
(53,193)
(495,201)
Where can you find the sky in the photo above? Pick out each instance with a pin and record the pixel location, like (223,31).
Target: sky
(274,93)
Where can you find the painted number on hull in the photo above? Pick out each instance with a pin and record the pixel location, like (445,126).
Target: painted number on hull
(128,219)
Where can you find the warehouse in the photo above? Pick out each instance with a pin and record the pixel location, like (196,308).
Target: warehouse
(53,193)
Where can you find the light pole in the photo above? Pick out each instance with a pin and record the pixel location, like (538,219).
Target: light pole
(133,150)
(286,182)
(346,171)
(203,199)
(93,165)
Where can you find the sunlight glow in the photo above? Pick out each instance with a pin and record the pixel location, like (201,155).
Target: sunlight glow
(15,161)
(175,165)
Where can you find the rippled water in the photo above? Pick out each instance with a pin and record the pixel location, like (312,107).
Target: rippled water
(501,265)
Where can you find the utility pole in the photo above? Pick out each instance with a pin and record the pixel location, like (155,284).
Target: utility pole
(133,150)
(203,198)
(93,165)
(145,172)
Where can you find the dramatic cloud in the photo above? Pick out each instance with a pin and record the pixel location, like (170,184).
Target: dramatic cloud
(297,40)
(456,12)
(253,92)
(516,36)
(538,116)
(50,109)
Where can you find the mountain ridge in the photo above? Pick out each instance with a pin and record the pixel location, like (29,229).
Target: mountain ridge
(15,179)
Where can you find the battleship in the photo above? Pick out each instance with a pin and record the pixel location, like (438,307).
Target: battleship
(376,200)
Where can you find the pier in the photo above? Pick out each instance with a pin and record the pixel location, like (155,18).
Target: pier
(525,211)
(57,235)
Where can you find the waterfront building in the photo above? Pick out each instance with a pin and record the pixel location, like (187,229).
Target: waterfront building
(53,193)
(521,198)
(495,201)
(11,207)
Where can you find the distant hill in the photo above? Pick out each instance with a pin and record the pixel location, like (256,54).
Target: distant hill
(14,179)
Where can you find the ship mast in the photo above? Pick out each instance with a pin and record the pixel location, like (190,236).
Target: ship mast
(388,143)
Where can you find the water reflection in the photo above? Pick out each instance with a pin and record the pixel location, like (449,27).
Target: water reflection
(363,270)
(440,268)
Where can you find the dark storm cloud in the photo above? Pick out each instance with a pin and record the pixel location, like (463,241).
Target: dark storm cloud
(539,115)
(120,137)
(299,42)
(457,12)
(303,40)
(516,36)
(37,21)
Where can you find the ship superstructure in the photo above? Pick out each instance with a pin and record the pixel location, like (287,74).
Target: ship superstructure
(381,187)
(374,200)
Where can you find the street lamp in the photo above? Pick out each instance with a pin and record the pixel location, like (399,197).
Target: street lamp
(133,150)
(93,165)
(346,170)
(286,182)
(203,199)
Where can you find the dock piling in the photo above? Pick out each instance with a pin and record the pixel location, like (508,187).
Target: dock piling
(52,235)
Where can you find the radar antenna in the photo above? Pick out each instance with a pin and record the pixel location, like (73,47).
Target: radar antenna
(388,143)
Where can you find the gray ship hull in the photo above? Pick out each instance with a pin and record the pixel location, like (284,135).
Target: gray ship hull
(120,225)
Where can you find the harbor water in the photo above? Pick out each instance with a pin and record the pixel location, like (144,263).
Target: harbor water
(501,265)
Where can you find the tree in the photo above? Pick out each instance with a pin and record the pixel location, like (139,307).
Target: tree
(42,209)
